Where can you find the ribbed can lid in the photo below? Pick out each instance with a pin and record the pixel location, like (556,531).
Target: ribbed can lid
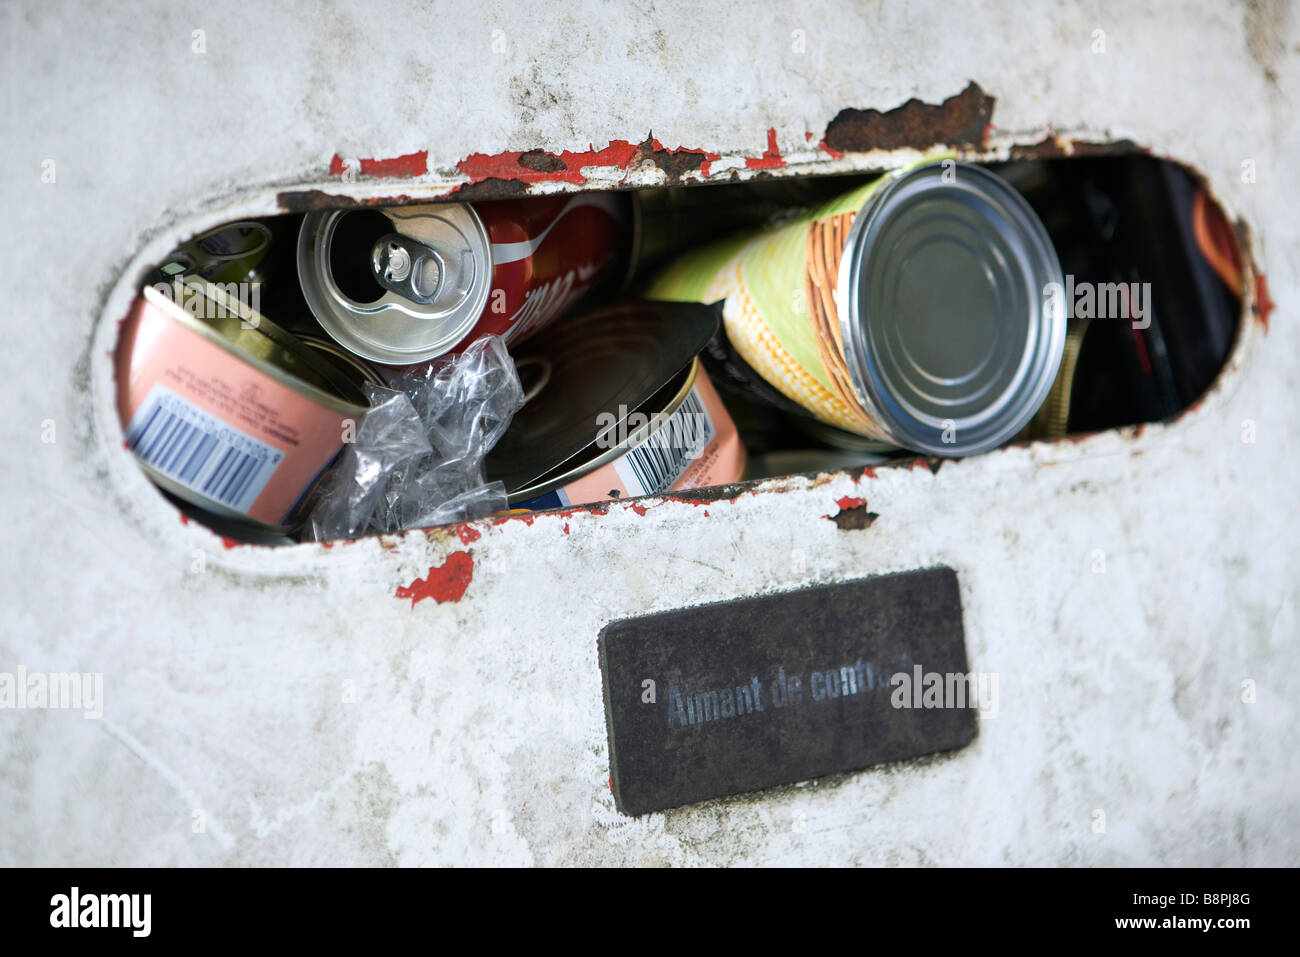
(951,336)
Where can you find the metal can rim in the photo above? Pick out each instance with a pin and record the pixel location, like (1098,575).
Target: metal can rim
(260,249)
(315,237)
(201,501)
(1003,420)
(330,347)
(283,339)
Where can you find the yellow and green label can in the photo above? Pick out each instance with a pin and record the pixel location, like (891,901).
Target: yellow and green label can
(913,310)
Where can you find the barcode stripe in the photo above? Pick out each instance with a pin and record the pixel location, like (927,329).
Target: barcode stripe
(232,472)
(168,447)
(197,458)
(182,448)
(203,453)
(660,461)
(219,472)
(133,435)
(164,429)
(236,483)
(174,427)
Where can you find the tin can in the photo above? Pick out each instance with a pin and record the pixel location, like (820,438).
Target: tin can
(623,410)
(916,310)
(669,220)
(227,254)
(688,441)
(225,410)
(405,284)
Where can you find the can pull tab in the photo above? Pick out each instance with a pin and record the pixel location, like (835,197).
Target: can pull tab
(407,267)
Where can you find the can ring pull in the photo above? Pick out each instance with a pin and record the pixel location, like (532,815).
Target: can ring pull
(407,267)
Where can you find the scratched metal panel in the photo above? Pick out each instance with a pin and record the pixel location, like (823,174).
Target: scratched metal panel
(435,697)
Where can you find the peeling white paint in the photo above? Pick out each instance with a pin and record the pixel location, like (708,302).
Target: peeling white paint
(477,731)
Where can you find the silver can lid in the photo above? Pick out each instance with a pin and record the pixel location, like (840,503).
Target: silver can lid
(951,336)
(398,285)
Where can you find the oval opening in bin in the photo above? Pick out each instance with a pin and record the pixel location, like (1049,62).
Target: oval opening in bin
(1150,286)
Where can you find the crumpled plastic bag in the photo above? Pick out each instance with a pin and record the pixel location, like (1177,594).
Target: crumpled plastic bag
(418,455)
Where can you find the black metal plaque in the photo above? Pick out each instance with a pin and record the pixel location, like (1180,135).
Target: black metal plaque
(720,699)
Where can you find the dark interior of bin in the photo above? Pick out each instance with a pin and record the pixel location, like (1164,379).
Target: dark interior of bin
(1113,219)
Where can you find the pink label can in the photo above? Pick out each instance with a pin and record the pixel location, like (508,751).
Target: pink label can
(691,444)
(225,410)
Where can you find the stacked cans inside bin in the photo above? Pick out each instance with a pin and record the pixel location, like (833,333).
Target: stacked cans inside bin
(902,312)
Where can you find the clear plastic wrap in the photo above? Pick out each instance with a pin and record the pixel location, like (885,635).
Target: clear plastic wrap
(418,455)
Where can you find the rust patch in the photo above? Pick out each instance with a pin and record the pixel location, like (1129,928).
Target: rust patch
(960,120)
(677,162)
(540,161)
(508,174)
(310,200)
(543,166)
(491,188)
(711,494)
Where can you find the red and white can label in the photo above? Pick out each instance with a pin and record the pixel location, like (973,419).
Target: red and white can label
(547,253)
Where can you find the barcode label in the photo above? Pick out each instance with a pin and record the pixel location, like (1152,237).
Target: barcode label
(197,450)
(660,461)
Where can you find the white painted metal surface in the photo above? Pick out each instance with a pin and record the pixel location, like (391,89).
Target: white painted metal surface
(284,706)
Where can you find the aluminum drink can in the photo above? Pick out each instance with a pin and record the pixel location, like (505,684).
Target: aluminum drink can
(226,410)
(921,309)
(405,284)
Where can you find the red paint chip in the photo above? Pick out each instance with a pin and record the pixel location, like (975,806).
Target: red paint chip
(771,158)
(830,150)
(411,164)
(445,582)
(567,169)
(1262,300)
